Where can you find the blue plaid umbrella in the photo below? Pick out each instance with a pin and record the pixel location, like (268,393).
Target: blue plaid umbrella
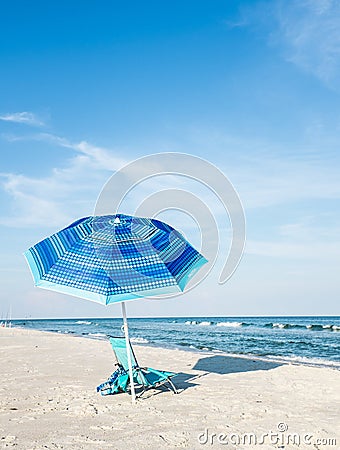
(110,259)
(113,258)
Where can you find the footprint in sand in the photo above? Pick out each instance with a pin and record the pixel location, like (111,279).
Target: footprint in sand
(175,439)
(102,428)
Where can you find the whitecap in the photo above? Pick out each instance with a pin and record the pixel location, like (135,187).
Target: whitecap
(139,340)
(229,324)
(279,325)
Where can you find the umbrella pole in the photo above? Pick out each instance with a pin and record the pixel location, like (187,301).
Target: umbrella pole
(128,352)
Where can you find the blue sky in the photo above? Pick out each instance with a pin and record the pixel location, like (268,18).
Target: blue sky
(253,87)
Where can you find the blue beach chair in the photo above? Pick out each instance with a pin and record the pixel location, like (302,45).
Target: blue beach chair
(143,377)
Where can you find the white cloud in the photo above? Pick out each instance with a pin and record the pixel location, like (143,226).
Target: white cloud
(104,158)
(64,194)
(24,117)
(309,32)
(30,209)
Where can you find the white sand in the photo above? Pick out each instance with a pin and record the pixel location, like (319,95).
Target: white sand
(48,399)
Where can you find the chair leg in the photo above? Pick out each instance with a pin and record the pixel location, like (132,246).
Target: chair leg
(173,387)
(143,390)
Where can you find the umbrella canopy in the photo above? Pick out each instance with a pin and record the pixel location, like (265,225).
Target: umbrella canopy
(114,258)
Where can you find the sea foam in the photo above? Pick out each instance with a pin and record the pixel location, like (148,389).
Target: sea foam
(229,324)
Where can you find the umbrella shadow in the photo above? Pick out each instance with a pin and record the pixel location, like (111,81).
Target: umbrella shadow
(228,364)
(213,364)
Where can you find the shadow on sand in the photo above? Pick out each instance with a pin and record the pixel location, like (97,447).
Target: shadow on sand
(229,364)
(214,364)
(182,381)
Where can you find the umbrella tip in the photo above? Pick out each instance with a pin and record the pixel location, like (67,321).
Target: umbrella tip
(116,221)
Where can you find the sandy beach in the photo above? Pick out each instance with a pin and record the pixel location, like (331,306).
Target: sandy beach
(48,399)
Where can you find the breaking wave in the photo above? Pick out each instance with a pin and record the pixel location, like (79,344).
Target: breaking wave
(313,326)
(218,324)
(139,340)
(230,324)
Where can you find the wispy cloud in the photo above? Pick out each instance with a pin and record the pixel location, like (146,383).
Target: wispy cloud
(311,230)
(310,32)
(30,210)
(312,238)
(103,158)
(25,117)
(236,23)
(65,193)
(270,183)
(267,173)
(307,32)
(319,252)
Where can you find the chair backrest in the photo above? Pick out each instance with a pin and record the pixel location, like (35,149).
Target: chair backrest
(118,345)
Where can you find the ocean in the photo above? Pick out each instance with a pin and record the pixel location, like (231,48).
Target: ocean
(308,340)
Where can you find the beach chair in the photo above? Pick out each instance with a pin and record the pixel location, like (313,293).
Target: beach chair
(143,377)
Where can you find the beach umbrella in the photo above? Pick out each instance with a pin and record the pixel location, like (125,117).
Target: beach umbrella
(114,258)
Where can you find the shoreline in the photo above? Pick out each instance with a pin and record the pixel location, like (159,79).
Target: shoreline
(308,362)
